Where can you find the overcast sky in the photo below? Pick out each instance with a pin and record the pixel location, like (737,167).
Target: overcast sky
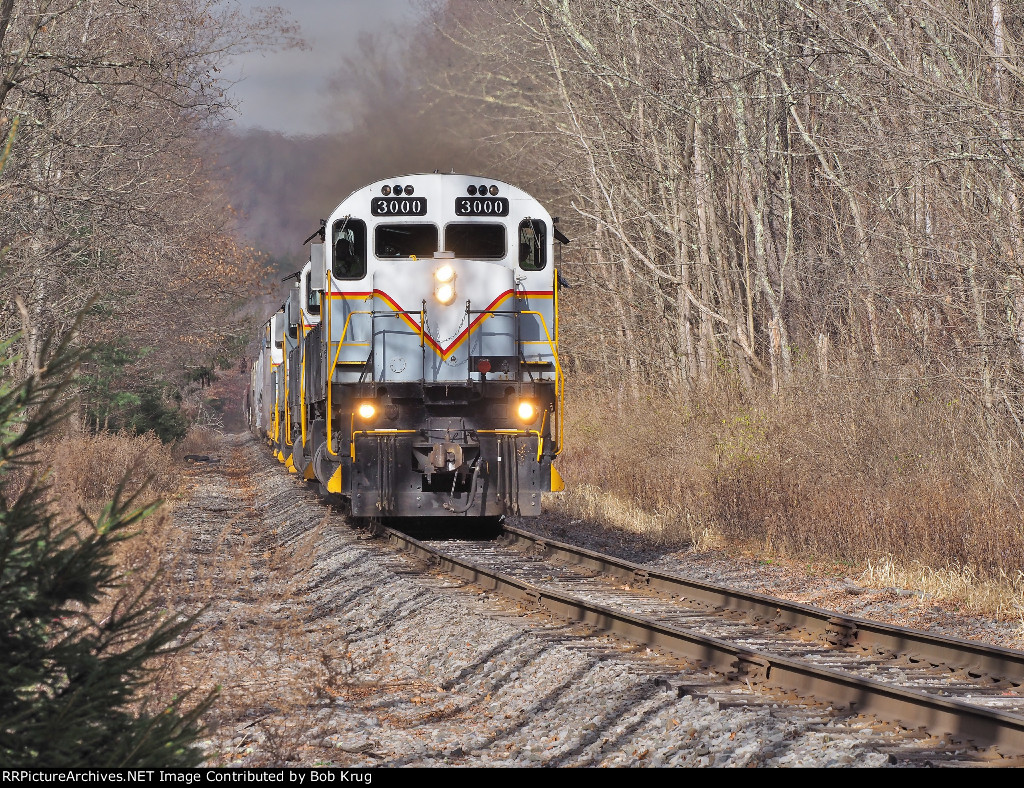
(278,91)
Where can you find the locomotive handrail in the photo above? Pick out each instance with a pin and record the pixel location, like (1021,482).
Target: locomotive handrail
(554,297)
(277,406)
(385,431)
(341,341)
(515,431)
(344,329)
(337,355)
(302,399)
(559,377)
(334,364)
(303,348)
(287,407)
(398,313)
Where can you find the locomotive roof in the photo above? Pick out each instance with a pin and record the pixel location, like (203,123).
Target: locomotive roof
(510,190)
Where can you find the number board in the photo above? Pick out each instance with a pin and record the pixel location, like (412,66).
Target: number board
(481,206)
(398,206)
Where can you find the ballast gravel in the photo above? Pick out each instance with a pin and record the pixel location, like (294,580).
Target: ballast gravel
(333,649)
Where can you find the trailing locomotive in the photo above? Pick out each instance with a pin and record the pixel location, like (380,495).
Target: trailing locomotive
(413,370)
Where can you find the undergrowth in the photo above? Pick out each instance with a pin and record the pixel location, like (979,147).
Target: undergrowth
(841,473)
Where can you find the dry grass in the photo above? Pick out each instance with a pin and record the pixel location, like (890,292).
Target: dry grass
(1002,596)
(847,474)
(194,569)
(587,501)
(86,470)
(198,440)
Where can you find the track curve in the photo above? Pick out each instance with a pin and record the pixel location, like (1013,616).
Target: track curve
(962,690)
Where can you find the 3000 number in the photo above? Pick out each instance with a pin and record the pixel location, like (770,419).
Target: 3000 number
(396,206)
(481,206)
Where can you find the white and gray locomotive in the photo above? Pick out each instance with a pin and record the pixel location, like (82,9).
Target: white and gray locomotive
(413,370)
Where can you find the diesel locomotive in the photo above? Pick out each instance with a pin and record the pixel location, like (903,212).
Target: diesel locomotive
(413,369)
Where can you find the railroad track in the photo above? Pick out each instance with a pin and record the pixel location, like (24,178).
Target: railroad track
(959,690)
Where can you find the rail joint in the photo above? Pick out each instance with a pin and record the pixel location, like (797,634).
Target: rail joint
(840,632)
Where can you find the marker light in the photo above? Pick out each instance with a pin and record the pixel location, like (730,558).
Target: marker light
(397,190)
(408,191)
(494,190)
(445,293)
(471,191)
(366,410)
(444,274)
(526,411)
(385,190)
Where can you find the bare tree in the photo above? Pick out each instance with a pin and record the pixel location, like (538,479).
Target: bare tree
(105,192)
(777,187)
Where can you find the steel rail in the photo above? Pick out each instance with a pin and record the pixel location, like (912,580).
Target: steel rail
(944,717)
(974,658)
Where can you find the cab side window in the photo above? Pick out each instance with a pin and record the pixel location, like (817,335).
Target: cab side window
(348,249)
(532,236)
(312,297)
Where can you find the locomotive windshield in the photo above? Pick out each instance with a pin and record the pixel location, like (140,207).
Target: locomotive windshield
(405,240)
(475,241)
(349,249)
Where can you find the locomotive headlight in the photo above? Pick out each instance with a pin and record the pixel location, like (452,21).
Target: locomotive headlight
(526,411)
(366,411)
(445,293)
(444,274)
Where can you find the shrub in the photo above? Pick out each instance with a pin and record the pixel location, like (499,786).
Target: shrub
(71,681)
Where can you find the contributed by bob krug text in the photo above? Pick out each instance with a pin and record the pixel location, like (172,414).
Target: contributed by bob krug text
(188,776)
